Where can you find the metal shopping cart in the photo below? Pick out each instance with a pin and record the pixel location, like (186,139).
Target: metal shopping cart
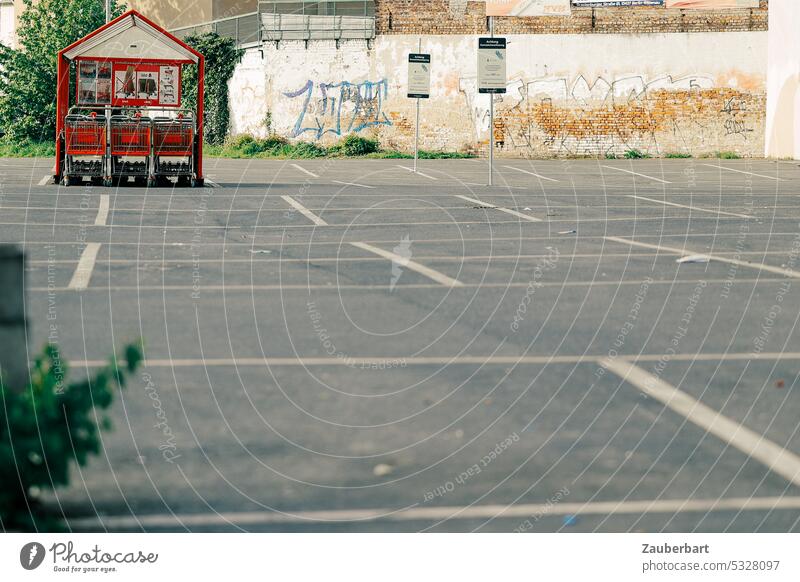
(174,148)
(114,144)
(130,147)
(85,147)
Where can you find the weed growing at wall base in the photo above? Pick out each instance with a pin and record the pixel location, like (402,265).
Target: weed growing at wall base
(247,146)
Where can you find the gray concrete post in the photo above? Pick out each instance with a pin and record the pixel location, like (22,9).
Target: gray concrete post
(13,326)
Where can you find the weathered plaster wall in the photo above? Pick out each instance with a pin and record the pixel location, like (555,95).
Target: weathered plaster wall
(568,94)
(783,122)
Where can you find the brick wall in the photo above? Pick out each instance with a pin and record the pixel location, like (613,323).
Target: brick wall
(444,17)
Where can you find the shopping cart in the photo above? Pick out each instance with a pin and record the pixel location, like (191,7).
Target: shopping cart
(130,146)
(173,148)
(85,141)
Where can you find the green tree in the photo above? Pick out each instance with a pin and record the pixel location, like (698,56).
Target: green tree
(221,56)
(28,74)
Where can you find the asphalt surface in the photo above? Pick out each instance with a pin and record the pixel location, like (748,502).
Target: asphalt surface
(350,346)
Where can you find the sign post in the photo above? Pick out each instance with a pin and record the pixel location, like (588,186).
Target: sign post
(419,87)
(491,80)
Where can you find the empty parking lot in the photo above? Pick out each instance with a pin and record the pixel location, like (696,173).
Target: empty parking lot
(345,345)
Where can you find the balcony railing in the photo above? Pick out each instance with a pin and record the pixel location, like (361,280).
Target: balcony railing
(278,20)
(278,27)
(244,29)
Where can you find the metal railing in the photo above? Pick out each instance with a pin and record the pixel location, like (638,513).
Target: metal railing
(278,20)
(359,8)
(244,29)
(278,27)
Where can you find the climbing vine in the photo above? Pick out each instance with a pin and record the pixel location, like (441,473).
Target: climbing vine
(221,56)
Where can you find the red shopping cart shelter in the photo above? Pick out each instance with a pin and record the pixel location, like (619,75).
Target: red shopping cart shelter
(119,95)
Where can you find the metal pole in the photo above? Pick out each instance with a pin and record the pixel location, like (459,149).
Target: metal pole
(491,119)
(107,111)
(416,136)
(13,325)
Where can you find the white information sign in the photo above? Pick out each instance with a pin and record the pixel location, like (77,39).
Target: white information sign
(492,65)
(419,76)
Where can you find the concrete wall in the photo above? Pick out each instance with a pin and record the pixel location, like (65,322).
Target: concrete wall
(783,80)
(568,94)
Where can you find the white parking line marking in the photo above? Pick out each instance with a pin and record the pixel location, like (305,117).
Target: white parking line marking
(304,211)
(353,184)
(637,174)
(761,267)
(102,211)
(506,210)
(44,181)
(411,265)
(83,272)
(530,173)
(504,187)
(662,220)
(443,360)
(417,172)
(307,172)
(754,445)
(437,258)
(665,203)
(433,241)
(337,288)
(743,172)
(416,513)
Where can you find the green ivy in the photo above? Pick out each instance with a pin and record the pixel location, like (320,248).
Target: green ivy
(28,74)
(46,428)
(221,56)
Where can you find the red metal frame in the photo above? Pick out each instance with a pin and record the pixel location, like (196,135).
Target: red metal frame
(173,139)
(85,137)
(130,138)
(62,89)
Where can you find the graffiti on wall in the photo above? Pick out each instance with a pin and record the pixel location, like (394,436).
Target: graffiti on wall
(339,108)
(561,116)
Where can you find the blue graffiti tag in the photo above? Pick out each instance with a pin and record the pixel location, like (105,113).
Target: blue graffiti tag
(342,107)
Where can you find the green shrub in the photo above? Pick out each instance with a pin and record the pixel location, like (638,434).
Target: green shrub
(274,142)
(635,155)
(611,156)
(426,155)
(307,150)
(353,145)
(728,156)
(677,155)
(240,141)
(47,427)
(389,155)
